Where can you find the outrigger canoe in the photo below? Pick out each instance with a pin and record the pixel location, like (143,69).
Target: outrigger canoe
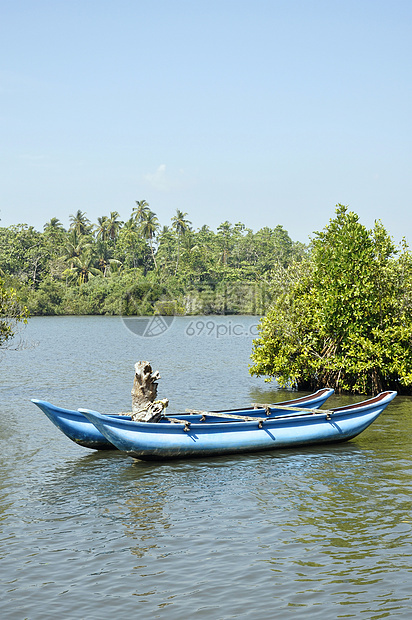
(77,428)
(209,434)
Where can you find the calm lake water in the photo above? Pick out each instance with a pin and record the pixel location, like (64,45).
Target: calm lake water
(321,532)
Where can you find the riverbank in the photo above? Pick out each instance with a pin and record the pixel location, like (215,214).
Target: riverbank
(130,295)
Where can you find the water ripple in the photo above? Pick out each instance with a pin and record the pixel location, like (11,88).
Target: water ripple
(320,533)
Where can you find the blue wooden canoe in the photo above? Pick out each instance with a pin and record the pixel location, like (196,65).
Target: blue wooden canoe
(77,428)
(206,436)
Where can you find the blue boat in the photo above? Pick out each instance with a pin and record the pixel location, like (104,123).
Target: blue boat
(77,428)
(211,435)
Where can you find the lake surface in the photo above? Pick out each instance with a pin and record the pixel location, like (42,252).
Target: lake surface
(320,532)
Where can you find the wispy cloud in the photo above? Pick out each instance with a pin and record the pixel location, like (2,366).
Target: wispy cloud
(164,181)
(158,179)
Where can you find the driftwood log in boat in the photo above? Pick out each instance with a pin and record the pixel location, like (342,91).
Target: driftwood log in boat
(144,406)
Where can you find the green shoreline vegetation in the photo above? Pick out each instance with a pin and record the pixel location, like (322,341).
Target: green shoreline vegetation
(346,320)
(139,268)
(337,312)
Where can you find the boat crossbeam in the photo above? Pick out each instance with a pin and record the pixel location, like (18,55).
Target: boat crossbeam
(300,411)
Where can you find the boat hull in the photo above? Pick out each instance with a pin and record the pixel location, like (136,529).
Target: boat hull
(165,440)
(77,428)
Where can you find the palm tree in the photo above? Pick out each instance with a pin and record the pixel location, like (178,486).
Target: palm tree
(224,234)
(115,266)
(139,212)
(105,262)
(103,256)
(180,224)
(149,226)
(53,224)
(82,266)
(166,240)
(131,240)
(101,228)
(113,225)
(54,237)
(130,227)
(75,245)
(130,233)
(80,223)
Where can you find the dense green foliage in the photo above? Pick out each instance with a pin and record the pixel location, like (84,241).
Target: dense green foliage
(11,313)
(346,319)
(137,267)
(339,315)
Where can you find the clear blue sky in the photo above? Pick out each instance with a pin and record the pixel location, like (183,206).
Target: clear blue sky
(261,111)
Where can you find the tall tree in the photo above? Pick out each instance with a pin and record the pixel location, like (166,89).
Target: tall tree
(130,245)
(149,226)
(53,224)
(180,225)
(101,228)
(140,210)
(22,253)
(224,234)
(113,226)
(80,223)
(103,256)
(165,255)
(53,241)
(74,246)
(82,266)
(341,323)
